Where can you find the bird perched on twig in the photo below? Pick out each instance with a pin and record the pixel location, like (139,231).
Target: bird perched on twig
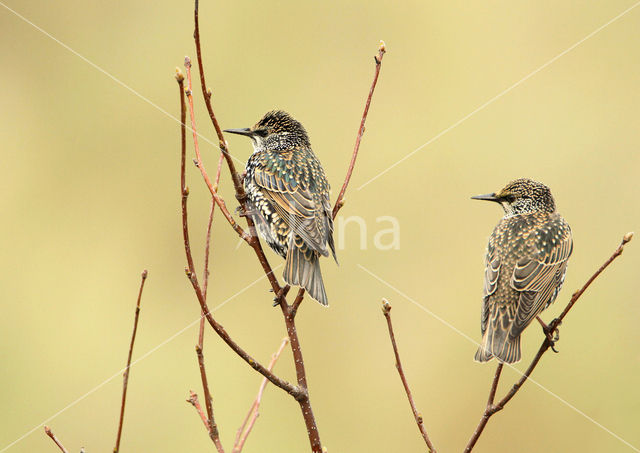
(526,264)
(288,198)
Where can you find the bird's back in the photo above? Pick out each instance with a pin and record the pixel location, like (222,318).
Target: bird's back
(526,264)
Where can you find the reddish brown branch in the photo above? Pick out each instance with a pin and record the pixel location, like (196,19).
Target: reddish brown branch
(125,377)
(213,427)
(300,392)
(252,415)
(340,200)
(206,94)
(546,344)
(193,400)
(251,238)
(53,437)
(190,270)
(386,310)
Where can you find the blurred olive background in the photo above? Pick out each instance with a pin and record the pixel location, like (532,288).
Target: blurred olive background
(91,197)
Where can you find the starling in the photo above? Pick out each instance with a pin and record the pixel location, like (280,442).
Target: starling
(525,264)
(288,198)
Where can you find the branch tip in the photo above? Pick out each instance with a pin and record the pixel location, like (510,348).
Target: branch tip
(187,62)
(627,237)
(145,273)
(386,306)
(179,75)
(383,47)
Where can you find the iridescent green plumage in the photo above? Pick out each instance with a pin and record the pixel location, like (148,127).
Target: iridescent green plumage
(289,199)
(525,266)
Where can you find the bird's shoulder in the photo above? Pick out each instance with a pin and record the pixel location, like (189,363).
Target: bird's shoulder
(295,169)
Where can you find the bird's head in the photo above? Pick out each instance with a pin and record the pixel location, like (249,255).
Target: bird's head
(276,131)
(522,196)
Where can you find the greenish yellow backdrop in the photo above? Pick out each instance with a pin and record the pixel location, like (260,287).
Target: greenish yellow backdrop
(90,197)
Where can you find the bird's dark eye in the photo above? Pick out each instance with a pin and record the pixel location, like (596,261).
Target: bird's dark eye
(261,132)
(510,198)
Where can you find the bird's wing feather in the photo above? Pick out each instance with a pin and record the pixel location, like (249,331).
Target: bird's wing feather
(538,277)
(295,205)
(491,273)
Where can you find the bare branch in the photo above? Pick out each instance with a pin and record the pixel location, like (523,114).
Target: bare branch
(53,437)
(252,415)
(386,310)
(300,393)
(546,344)
(340,200)
(193,400)
(190,270)
(213,428)
(125,377)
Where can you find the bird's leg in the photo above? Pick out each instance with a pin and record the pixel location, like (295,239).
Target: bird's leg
(551,331)
(244,212)
(277,300)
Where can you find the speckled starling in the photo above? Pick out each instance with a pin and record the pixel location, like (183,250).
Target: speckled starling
(525,266)
(289,199)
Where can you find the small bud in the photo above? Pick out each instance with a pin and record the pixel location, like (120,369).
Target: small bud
(386,306)
(187,62)
(179,75)
(186,191)
(627,237)
(209,92)
(383,46)
(144,274)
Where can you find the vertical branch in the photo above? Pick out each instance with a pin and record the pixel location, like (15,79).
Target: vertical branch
(190,270)
(206,94)
(300,392)
(212,426)
(340,200)
(546,344)
(125,377)
(53,437)
(252,415)
(193,400)
(386,310)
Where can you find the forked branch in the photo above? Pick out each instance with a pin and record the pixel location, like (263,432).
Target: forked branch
(299,392)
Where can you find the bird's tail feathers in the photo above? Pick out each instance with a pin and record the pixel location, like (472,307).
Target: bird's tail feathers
(497,343)
(302,268)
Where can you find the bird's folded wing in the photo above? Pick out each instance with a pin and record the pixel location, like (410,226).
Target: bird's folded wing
(491,273)
(295,205)
(538,277)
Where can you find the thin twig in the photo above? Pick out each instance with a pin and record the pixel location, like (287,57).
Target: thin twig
(53,437)
(252,415)
(125,377)
(193,400)
(213,427)
(190,270)
(386,310)
(206,94)
(340,200)
(546,344)
(250,238)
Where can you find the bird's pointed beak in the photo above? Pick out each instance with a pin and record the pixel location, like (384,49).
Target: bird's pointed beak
(243,131)
(486,197)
